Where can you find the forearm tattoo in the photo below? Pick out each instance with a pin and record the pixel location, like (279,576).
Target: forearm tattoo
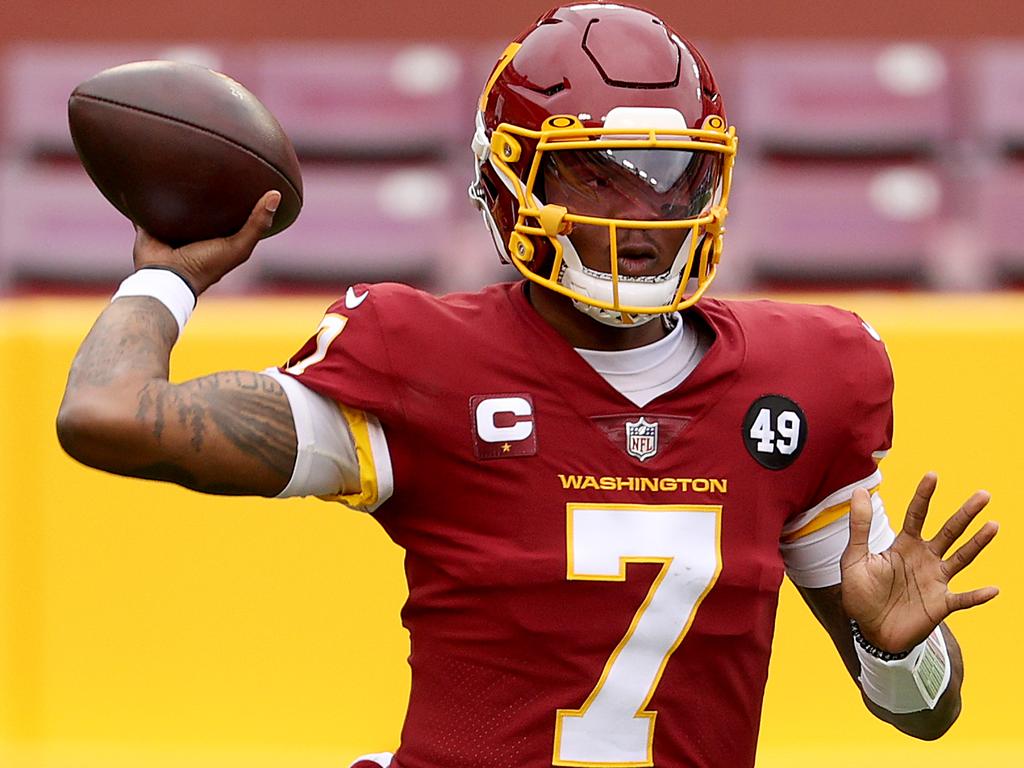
(131,336)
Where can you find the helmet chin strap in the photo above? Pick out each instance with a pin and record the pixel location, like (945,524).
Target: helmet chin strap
(655,292)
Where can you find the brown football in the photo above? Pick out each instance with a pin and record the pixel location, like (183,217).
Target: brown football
(181,150)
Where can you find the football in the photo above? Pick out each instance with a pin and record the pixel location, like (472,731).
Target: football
(181,150)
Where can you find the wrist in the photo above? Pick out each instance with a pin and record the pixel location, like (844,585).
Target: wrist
(166,286)
(873,650)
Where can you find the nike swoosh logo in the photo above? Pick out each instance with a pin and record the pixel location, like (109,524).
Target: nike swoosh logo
(352,301)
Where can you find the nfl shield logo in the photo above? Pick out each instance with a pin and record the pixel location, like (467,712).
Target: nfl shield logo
(641,438)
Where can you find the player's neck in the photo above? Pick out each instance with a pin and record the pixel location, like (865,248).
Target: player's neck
(584,332)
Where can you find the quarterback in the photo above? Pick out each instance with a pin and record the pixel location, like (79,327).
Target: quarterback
(599,474)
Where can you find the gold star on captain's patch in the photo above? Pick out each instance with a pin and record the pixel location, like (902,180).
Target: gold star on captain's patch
(506,447)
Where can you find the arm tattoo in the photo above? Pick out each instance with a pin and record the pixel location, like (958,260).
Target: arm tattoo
(249,409)
(229,433)
(131,336)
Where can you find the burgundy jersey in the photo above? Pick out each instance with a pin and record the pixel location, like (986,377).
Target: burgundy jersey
(592,583)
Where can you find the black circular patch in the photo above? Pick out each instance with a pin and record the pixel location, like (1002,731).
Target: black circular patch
(774,431)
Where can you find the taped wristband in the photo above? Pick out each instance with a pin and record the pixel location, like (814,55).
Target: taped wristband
(911,683)
(165,286)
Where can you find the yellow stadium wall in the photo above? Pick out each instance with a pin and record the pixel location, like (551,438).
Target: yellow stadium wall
(142,624)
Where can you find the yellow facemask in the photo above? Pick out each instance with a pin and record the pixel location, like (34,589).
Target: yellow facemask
(628,301)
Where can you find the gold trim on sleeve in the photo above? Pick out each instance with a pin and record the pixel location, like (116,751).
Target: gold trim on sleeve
(827,516)
(369,491)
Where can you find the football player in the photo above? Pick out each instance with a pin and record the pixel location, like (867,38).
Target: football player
(599,477)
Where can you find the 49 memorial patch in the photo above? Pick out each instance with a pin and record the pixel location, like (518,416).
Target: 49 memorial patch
(774,431)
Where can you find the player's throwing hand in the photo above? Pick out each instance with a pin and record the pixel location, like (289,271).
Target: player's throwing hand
(204,263)
(899,596)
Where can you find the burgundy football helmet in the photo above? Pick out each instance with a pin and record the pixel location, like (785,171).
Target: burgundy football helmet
(606,103)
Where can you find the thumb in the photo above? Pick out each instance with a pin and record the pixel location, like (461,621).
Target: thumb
(261,218)
(860,527)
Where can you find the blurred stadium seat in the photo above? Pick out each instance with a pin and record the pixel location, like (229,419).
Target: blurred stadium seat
(995,73)
(827,99)
(999,223)
(366,222)
(39,78)
(56,227)
(369,100)
(844,225)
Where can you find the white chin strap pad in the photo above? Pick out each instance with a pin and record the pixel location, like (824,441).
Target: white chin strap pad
(630,294)
(646,293)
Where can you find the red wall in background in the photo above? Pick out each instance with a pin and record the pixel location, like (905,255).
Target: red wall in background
(483,20)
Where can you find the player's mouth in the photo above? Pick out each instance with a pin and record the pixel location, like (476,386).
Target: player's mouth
(638,261)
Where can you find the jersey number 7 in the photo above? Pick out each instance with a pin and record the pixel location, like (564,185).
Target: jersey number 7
(613,727)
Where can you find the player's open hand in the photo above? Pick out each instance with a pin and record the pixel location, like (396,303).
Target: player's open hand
(206,262)
(899,596)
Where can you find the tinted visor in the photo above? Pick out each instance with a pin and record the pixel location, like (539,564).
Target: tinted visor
(643,184)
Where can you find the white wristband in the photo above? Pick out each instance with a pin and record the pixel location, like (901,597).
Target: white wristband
(910,684)
(163,285)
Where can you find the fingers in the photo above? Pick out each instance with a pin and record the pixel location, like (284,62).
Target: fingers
(260,219)
(964,600)
(917,510)
(860,527)
(957,524)
(965,555)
